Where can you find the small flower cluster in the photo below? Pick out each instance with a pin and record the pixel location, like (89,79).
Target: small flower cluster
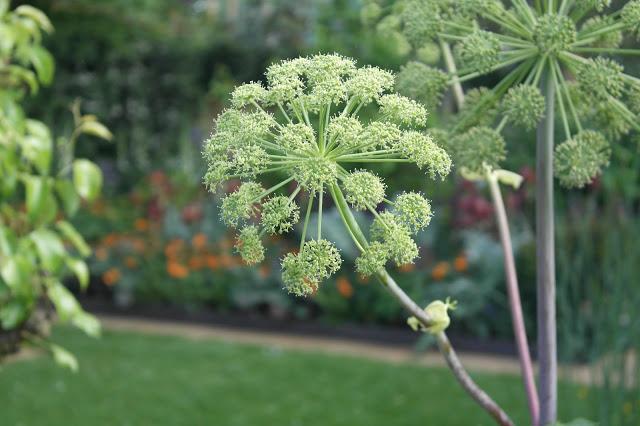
(568,43)
(304,128)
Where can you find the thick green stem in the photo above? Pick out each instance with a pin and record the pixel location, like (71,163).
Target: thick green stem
(545,260)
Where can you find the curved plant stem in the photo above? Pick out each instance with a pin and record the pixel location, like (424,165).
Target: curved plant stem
(449,354)
(484,400)
(519,330)
(511,277)
(545,260)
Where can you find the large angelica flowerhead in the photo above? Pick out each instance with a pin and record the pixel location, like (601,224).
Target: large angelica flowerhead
(303,133)
(573,44)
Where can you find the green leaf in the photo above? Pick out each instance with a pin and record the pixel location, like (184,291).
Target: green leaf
(80,270)
(87,323)
(27,77)
(8,242)
(16,272)
(35,196)
(36,15)
(71,234)
(66,305)
(49,248)
(63,357)
(43,63)
(12,314)
(68,196)
(4,6)
(95,128)
(37,146)
(87,178)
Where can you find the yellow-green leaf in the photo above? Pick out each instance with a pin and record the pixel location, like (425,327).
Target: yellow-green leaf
(63,357)
(36,15)
(69,232)
(49,248)
(95,128)
(80,270)
(87,179)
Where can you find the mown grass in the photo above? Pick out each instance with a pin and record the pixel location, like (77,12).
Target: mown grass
(136,379)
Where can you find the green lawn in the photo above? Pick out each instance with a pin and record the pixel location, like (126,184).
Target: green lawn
(135,379)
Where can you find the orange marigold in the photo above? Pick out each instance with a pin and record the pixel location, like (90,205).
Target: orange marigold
(131,262)
(344,287)
(173,248)
(440,271)
(212,262)
(197,262)
(177,270)
(141,224)
(110,240)
(199,241)
(111,276)
(460,263)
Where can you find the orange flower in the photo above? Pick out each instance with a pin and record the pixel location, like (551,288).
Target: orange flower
(226,261)
(407,267)
(196,262)
(111,276)
(199,241)
(110,240)
(212,262)
(141,224)
(173,248)
(102,253)
(440,271)
(344,287)
(177,270)
(131,262)
(461,263)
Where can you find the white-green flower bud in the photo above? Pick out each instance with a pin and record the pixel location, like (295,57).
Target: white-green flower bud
(279,214)
(524,105)
(296,137)
(368,84)
(421,82)
(249,245)
(554,33)
(422,150)
(607,40)
(580,159)
(402,110)
(601,77)
(479,51)
(345,130)
(314,173)
(363,190)
(323,258)
(429,53)
(479,148)
(370,13)
(422,21)
(285,82)
(380,134)
(296,276)
(373,259)
(247,94)
(401,248)
(240,205)
(413,211)
(389,24)
(480,107)
(631,16)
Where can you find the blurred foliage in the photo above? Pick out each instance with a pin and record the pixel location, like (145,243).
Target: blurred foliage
(42,185)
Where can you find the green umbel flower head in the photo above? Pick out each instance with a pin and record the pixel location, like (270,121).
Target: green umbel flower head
(302,133)
(528,43)
(579,160)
